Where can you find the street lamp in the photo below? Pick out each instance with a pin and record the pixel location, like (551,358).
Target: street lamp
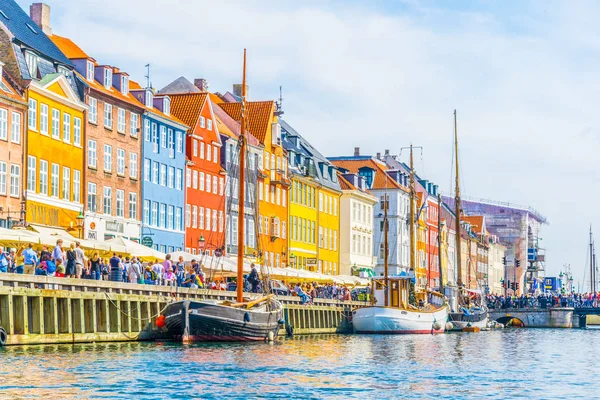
(80,222)
(201,243)
(293,259)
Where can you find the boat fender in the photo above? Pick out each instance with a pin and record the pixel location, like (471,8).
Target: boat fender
(3,336)
(449,326)
(437,325)
(247,317)
(289,330)
(270,336)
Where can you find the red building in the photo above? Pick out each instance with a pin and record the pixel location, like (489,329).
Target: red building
(205,179)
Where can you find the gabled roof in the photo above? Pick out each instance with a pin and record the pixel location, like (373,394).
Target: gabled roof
(8,89)
(477,223)
(179,85)
(230,127)
(68,47)
(188,107)
(382,179)
(26,31)
(133,85)
(258,116)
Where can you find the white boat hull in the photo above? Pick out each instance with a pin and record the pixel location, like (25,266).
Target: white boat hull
(388,320)
(459,325)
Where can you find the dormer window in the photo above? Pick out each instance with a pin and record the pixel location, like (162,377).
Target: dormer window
(149,98)
(167,105)
(107,77)
(32,63)
(124,85)
(89,71)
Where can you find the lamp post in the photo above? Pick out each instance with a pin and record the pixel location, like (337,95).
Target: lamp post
(292,260)
(201,244)
(80,222)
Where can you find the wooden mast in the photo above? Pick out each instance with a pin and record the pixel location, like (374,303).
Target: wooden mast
(439,240)
(592,288)
(386,273)
(412,214)
(457,208)
(241,197)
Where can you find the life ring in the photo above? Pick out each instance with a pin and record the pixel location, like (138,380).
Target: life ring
(3,336)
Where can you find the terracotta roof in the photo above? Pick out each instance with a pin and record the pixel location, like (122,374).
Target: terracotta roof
(259,114)
(12,92)
(230,127)
(345,184)
(133,85)
(70,49)
(476,222)
(187,107)
(382,179)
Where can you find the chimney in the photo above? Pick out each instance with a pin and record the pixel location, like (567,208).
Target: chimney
(237,90)
(40,14)
(378,155)
(356,151)
(387,152)
(201,84)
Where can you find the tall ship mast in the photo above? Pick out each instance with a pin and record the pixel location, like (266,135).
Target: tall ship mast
(246,319)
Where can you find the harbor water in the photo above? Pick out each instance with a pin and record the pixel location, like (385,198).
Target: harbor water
(510,363)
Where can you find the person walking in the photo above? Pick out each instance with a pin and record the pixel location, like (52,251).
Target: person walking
(79,260)
(159,270)
(116,268)
(253,278)
(94,266)
(134,271)
(4,260)
(71,259)
(30,257)
(167,264)
(57,253)
(20,261)
(126,266)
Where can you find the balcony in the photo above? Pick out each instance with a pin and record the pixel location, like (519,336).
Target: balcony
(279,177)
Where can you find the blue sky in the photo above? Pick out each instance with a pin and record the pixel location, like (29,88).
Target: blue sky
(382,74)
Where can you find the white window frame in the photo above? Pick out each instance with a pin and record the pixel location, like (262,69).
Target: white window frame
(92,197)
(32,115)
(43,177)
(31,173)
(3,124)
(66,184)
(66,127)
(15,180)
(76,185)
(56,123)
(120,212)
(15,127)
(43,119)
(133,124)
(55,180)
(108,116)
(77,131)
(92,154)
(120,162)
(132,205)
(93,113)
(107,158)
(133,165)
(121,122)
(107,200)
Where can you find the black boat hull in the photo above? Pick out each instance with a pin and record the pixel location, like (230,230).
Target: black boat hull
(201,321)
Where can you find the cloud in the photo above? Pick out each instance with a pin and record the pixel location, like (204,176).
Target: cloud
(384,74)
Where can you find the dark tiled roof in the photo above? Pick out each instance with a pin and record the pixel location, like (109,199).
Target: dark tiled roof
(179,85)
(28,33)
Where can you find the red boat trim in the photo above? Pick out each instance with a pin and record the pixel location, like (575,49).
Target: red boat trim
(424,331)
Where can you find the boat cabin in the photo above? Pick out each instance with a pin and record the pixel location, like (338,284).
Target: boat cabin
(399,294)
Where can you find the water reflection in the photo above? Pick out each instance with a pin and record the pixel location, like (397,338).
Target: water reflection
(523,363)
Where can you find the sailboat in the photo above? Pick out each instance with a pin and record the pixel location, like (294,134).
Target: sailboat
(223,320)
(399,307)
(472,312)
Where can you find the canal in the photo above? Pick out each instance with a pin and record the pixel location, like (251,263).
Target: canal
(510,363)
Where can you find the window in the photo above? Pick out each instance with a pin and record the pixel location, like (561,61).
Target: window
(120,203)
(194,217)
(154,220)
(67,127)
(147,169)
(207,219)
(55,123)
(31,59)
(66,184)
(76,185)
(15,180)
(179,179)
(163,137)
(15,135)
(155,172)
(221,186)
(133,165)
(44,177)
(77,131)
(194,180)
(31,171)
(171,177)
(220,221)
(154,137)
(107,200)
(107,77)
(209,124)
(163,174)
(188,216)
(208,152)
(124,85)
(179,142)
(92,154)
(234,230)
(91,197)
(162,215)
(146,130)
(188,178)
(120,120)
(171,143)
(93,113)
(43,119)
(121,162)
(202,122)
(133,124)
(178,219)
(146,212)
(32,115)
(201,181)
(54,183)
(208,180)
(201,218)
(89,71)
(108,115)
(107,158)
(334,240)
(214,183)
(133,205)
(170,222)
(3,124)
(214,220)
(195,148)
(215,154)
(202,150)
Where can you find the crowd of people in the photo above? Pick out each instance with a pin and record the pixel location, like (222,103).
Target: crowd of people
(72,262)
(544,300)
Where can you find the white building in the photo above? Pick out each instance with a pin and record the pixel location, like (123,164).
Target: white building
(356,224)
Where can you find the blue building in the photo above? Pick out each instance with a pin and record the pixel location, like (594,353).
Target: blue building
(163,154)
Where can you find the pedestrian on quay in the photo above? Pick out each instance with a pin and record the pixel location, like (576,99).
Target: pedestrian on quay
(150,276)
(4,260)
(158,268)
(166,265)
(134,273)
(126,266)
(180,271)
(70,270)
(79,260)
(12,254)
(253,279)
(95,266)
(57,253)
(30,257)
(169,278)
(20,260)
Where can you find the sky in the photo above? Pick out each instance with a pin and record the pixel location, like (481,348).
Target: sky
(383,74)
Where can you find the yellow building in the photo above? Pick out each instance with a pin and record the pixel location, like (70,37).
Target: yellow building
(55,153)
(314,206)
